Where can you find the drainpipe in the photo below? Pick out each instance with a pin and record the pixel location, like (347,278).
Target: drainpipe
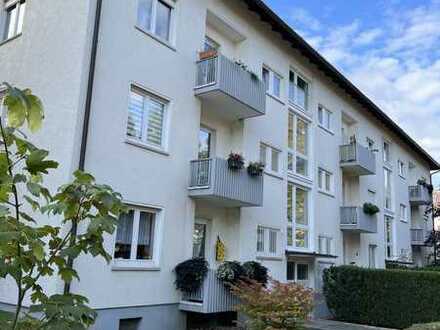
(434,233)
(87,110)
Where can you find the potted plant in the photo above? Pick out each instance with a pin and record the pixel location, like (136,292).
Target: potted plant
(230,272)
(255,271)
(203,55)
(370,209)
(235,161)
(255,168)
(190,274)
(422,182)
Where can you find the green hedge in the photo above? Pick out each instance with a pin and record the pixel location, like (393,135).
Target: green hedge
(428,326)
(386,298)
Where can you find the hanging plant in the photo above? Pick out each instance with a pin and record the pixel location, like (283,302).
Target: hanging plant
(235,161)
(229,272)
(370,209)
(422,182)
(207,54)
(255,168)
(190,274)
(256,271)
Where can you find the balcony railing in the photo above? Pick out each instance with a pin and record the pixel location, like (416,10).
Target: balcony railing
(357,159)
(212,297)
(419,195)
(229,89)
(418,237)
(212,180)
(354,219)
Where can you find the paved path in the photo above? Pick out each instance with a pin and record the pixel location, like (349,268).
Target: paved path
(334,325)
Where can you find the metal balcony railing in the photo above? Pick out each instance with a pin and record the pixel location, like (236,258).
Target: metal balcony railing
(356,220)
(357,159)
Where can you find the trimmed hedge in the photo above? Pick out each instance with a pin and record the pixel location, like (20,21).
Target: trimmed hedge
(429,326)
(386,298)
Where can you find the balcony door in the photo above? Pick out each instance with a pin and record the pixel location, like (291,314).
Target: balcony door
(201,239)
(205,143)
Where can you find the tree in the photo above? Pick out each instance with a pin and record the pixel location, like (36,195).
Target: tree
(29,250)
(433,238)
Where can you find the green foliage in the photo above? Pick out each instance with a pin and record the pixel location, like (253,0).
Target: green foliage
(190,274)
(255,271)
(30,251)
(428,326)
(230,272)
(382,297)
(279,306)
(370,209)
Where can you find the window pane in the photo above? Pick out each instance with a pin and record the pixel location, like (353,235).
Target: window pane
(260,239)
(210,44)
(263,150)
(290,162)
(303,272)
(321,116)
(292,87)
(289,202)
(199,240)
(327,181)
(124,234)
(301,137)
(11,21)
(21,17)
(328,119)
(204,144)
(289,236)
(301,207)
(291,271)
(290,131)
(272,241)
(145,236)
(320,174)
(266,78)
(301,166)
(301,238)
(155,122)
(135,115)
(275,157)
(301,93)
(276,85)
(163,20)
(145,10)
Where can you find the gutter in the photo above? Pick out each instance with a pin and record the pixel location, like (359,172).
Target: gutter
(87,111)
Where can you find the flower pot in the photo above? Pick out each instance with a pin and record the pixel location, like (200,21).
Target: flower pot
(235,164)
(207,54)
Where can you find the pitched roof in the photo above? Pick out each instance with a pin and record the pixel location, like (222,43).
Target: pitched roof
(287,33)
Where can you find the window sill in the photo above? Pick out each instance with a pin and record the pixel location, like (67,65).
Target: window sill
(402,177)
(276,98)
(10,39)
(273,258)
(146,147)
(326,129)
(327,193)
(158,39)
(300,110)
(274,175)
(132,265)
(300,178)
(404,221)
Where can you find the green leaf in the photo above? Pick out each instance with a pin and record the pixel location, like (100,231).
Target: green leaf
(34,188)
(36,164)
(35,113)
(67,274)
(16,106)
(38,251)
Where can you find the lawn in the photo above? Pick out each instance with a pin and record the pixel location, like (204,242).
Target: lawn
(5,319)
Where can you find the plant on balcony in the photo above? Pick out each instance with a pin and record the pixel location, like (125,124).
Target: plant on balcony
(422,182)
(243,66)
(255,168)
(277,306)
(255,271)
(235,161)
(190,274)
(370,209)
(230,272)
(207,54)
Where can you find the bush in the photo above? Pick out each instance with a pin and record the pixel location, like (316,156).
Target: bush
(370,209)
(255,271)
(230,272)
(190,274)
(387,298)
(279,306)
(428,326)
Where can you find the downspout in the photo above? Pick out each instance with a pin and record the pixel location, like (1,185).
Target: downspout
(87,110)
(434,234)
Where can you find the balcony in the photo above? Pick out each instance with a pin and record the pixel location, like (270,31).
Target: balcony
(354,219)
(212,297)
(229,90)
(213,181)
(419,195)
(418,237)
(357,160)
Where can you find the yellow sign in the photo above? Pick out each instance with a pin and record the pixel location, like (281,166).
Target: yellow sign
(220,250)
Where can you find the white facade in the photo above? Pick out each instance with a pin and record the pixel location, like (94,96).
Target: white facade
(51,56)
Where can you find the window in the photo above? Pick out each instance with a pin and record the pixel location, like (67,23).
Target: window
(15,11)
(325,180)
(199,240)
(146,118)
(205,143)
(386,152)
(325,245)
(210,44)
(325,118)
(129,324)
(272,81)
(401,168)
(268,244)
(403,215)
(270,157)
(297,217)
(388,189)
(389,237)
(297,144)
(135,235)
(297,272)
(372,256)
(370,144)
(155,16)
(298,90)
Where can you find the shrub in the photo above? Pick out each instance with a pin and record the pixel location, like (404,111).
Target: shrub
(230,272)
(387,298)
(255,271)
(279,306)
(190,274)
(370,209)
(428,326)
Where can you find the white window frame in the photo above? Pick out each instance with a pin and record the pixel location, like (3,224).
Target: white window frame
(401,168)
(267,252)
(322,183)
(17,29)
(325,244)
(143,143)
(403,213)
(325,118)
(389,241)
(268,159)
(372,256)
(386,154)
(270,88)
(152,30)
(136,264)
(295,280)
(388,189)
(292,153)
(292,225)
(293,99)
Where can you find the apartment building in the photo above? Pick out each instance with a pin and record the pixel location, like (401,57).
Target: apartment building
(151,96)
